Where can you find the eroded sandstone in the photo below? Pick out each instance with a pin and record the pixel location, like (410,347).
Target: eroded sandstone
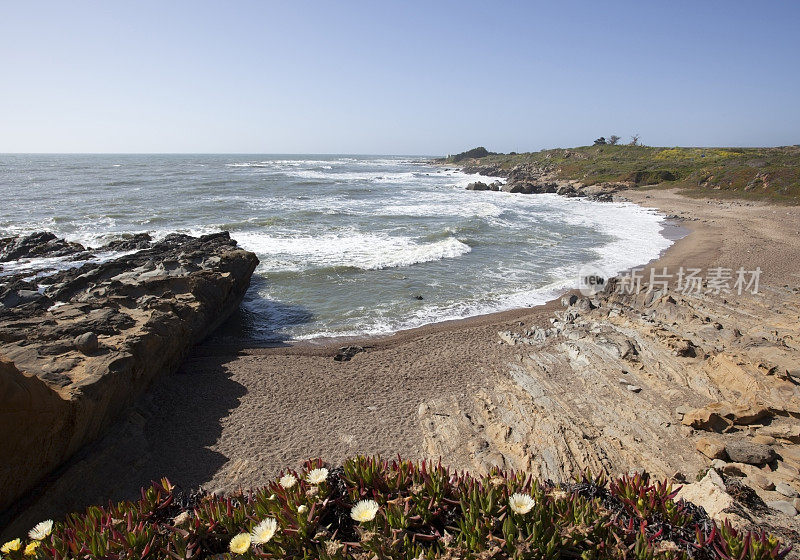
(714,374)
(78,345)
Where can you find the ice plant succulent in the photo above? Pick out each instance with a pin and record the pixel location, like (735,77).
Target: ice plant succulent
(11,546)
(240,543)
(364,510)
(264,531)
(520,503)
(317,476)
(41,530)
(288,480)
(426,511)
(30,549)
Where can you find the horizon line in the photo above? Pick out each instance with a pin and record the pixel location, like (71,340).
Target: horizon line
(374,154)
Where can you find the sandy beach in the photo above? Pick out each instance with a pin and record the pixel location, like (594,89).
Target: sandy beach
(235,417)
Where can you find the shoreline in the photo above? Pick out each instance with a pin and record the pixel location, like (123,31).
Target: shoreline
(672,230)
(234,417)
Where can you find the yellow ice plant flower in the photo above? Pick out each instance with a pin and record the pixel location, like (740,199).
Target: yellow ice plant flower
(288,480)
(30,550)
(264,531)
(240,543)
(520,503)
(364,510)
(11,546)
(41,530)
(317,476)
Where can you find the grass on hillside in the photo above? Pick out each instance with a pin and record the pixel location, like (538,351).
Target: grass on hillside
(756,173)
(374,509)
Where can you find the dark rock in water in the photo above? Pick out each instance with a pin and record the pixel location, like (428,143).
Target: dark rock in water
(418,297)
(565,190)
(133,243)
(77,348)
(518,187)
(347,352)
(39,244)
(478,186)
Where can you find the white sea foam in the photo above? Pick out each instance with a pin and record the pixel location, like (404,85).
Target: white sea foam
(47,266)
(636,239)
(357,250)
(480,209)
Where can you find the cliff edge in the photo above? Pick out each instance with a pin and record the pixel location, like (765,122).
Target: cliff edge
(84,332)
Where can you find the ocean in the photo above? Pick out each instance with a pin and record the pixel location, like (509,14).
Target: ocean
(349,245)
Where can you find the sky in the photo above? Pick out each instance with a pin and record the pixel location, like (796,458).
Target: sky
(379,77)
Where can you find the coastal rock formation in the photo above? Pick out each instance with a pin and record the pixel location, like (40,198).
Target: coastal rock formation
(715,384)
(80,340)
(531,179)
(39,244)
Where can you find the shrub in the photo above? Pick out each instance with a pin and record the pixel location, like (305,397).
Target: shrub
(474,153)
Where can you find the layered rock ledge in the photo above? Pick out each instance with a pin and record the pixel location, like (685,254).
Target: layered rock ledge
(676,382)
(83,332)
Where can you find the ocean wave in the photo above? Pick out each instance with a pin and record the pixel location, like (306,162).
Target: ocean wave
(479,209)
(365,251)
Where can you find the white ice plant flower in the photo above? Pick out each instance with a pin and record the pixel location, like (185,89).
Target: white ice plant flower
(520,503)
(41,530)
(264,531)
(364,510)
(288,480)
(302,509)
(317,476)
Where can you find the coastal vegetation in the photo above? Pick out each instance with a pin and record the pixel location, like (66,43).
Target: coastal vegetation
(754,173)
(373,508)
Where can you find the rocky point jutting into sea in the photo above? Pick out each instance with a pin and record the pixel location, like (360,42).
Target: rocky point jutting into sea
(84,331)
(534,179)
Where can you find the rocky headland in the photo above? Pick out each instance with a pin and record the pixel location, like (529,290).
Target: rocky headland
(529,178)
(83,332)
(601,169)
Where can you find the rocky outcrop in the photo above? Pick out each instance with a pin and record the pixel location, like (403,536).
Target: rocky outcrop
(39,244)
(77,345)
(530,179)
(668,382)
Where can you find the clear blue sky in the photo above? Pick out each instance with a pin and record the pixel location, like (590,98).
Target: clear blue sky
(400,77)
